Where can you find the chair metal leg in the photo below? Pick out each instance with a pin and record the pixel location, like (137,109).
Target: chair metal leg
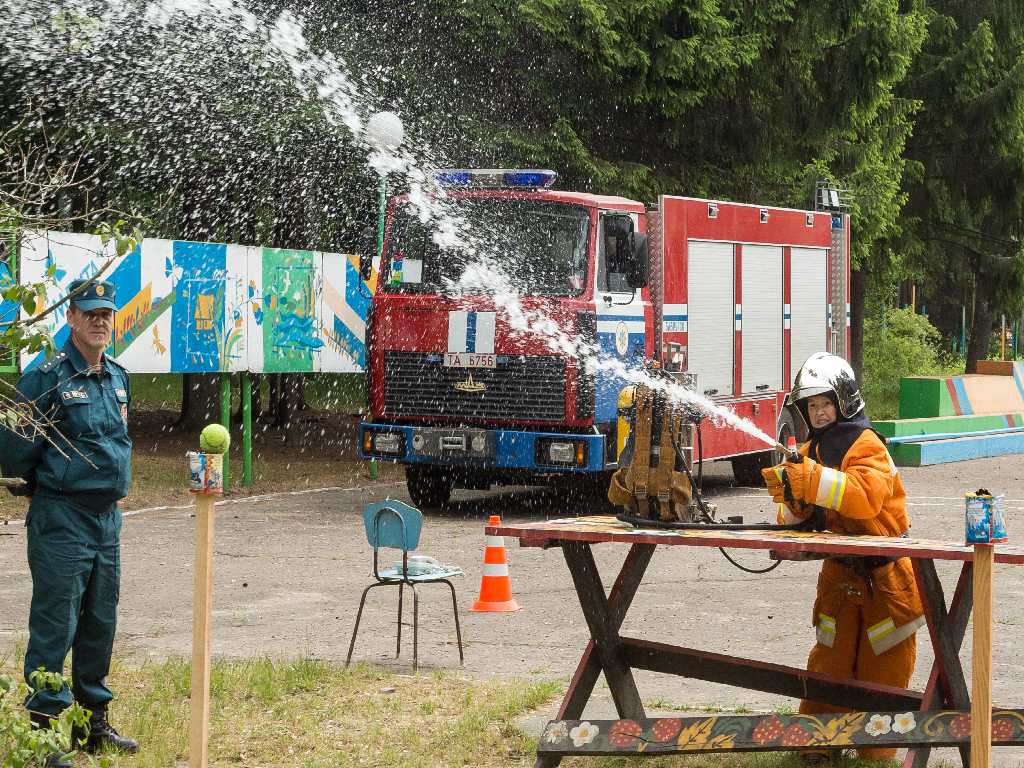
(359,615)
(398,645)
(415,628)
(455,609)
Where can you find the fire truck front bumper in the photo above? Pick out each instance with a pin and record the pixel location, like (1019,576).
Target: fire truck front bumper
(483,448)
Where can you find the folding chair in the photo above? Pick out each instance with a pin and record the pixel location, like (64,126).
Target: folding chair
(396,525)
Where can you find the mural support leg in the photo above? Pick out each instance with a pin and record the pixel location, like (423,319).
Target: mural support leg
(246,428)
(225,419)
(382,211)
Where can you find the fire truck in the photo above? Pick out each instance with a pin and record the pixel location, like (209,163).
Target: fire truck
(730,297)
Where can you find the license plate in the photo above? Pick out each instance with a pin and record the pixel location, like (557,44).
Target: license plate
(469,360)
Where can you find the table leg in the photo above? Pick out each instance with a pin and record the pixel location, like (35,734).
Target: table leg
(615,608)
(947,686)
(580,559)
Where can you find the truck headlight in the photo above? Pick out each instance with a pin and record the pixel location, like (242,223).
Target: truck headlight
(392,443)
(561,453)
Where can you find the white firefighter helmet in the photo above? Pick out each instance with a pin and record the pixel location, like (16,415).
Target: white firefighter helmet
(822,373)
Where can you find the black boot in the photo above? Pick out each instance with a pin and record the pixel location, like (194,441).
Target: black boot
(102,734)
(54,759)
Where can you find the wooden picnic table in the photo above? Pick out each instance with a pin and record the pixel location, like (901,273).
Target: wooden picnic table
(885,716)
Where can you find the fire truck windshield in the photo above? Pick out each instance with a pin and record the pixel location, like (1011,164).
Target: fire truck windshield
(541,246)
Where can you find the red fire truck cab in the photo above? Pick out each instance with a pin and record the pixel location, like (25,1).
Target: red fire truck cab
(465,393)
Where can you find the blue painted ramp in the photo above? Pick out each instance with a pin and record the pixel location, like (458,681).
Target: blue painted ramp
(957,449)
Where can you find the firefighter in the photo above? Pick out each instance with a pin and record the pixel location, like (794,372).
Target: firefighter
(867,609)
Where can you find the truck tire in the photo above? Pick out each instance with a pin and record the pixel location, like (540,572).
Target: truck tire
(586,494)
(747,469)
(429,487)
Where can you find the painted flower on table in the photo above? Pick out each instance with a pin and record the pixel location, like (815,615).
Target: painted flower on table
(904,722)
(878,725)
(584,733)
(556,732)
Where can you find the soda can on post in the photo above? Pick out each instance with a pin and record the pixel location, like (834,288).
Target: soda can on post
(985,523)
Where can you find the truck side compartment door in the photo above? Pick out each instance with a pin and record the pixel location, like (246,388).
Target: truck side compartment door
(711,291)
(809,310)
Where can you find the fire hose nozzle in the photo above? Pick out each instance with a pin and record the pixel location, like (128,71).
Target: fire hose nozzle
(791,453)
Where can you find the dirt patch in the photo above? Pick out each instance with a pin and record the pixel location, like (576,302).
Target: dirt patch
(318,450)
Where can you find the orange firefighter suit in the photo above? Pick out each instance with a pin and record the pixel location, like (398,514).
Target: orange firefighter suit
(865,627)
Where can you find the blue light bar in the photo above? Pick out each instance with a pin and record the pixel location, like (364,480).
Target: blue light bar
(529,178)
(454,178)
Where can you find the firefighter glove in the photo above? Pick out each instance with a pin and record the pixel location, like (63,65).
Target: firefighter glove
(801,476)
(773,481)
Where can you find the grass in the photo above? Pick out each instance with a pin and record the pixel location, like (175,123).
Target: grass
(332,392)
(310,714)
(712,708)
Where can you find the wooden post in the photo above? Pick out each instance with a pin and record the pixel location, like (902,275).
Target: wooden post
(981,659)
(202,604)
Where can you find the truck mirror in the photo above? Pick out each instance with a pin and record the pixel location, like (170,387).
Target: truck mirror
(639,265)
(367,251)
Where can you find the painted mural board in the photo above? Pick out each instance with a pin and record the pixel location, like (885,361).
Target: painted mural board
(188,307)
(8,309)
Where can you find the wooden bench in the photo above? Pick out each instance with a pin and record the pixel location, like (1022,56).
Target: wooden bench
(763,733)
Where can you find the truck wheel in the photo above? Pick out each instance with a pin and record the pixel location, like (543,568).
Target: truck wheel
(587,493)
(428,486)
(747,469)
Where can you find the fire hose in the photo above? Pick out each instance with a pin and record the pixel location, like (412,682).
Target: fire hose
(705,513)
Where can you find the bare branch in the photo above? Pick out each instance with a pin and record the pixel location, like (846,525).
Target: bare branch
(39,425)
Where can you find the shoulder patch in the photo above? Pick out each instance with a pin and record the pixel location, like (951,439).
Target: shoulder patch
(52,363)
(115,365)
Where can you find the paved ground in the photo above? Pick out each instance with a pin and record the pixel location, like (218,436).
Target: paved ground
(289,570)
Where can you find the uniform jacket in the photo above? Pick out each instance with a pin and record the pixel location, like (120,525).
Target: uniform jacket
(89,416)
(863,495)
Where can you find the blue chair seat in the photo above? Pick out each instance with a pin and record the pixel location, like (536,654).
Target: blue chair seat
(392,524)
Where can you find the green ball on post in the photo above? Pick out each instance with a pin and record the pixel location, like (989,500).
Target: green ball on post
(214,439)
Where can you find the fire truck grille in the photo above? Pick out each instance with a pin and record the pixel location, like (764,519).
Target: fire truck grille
(521,387)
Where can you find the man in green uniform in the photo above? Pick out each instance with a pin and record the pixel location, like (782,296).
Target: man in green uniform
(75,474)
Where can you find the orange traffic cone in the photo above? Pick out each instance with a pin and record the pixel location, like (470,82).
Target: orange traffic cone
(495,585)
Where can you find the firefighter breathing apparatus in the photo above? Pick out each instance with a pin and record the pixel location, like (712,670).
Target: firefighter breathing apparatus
(655,483)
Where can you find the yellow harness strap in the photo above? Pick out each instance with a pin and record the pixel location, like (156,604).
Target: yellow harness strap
(642,449)
(666,463)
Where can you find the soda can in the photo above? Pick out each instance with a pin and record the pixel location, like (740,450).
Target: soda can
(985,523)
(205,472)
